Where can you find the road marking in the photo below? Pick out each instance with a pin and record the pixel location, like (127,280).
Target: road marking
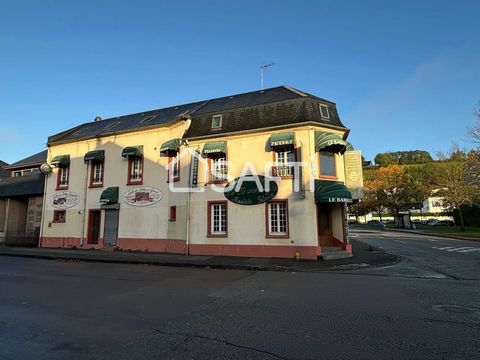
(469,250)
(465,249)
(461,248)
(401,242)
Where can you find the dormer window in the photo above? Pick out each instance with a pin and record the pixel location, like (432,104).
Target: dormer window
(324,113)
(217,121)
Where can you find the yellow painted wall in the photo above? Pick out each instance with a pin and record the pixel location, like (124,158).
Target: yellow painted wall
(246,223)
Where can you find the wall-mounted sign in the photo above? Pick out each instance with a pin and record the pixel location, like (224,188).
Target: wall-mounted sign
(45,169)
(65,199)
(251,190)
(353,173)
(195,170)
(142,196)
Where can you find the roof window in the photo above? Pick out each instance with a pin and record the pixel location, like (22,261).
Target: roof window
(217,121)
(324,113)
(112,125)
(148,119)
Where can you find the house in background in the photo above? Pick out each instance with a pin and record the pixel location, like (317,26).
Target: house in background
(3,172)
(21,201)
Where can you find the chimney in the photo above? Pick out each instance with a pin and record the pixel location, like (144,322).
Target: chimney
(97,118)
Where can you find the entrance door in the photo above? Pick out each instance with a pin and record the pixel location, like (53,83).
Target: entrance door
(324,225)
(94,226)
(110,230)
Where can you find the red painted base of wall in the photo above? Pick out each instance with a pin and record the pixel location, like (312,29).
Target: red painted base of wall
(271,251)
(153,245)
(172,246)
(175,246)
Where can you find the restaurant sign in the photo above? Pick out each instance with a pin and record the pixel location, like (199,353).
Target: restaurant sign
(251,190)
(142,196)
(65,199)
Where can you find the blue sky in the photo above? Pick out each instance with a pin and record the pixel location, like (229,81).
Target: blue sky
(404,74)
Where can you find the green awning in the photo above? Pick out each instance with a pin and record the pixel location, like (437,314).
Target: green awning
(214,147)
(109,195)
(329,142)
(60,160)
(132,150)
(170,146)
(331,192)
(94,155)
(349,147)
(282,139)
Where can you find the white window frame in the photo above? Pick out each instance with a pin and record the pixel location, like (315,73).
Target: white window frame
(215,117)
(218,168)
(136,169)
(218,219)
(64,174)
(323,106)
(97,179)
(278,222)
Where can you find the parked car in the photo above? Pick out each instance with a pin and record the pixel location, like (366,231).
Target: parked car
(431,221)
(376,223)
(444,223)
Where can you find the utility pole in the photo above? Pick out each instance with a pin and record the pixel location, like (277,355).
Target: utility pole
(262,69)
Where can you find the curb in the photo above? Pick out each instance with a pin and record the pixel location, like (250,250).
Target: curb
(434,235)
(192,264)
(282,268)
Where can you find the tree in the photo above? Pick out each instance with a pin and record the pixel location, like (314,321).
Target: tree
(403,157)
(370,201)
(418,187)
(451,178)
(474,131)
(391,183)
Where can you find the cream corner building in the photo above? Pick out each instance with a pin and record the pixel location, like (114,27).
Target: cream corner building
(155,181)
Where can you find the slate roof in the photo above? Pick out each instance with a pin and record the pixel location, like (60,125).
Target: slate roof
(22,185)
(3,173)
(36,159)
(266,108)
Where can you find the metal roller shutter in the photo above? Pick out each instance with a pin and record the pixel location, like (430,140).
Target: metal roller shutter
(111,227)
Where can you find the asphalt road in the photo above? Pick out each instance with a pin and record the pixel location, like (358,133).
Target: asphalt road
(425,307)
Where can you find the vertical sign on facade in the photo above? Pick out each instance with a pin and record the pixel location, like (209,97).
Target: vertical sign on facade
(354,173)
(347,226)
(194,179)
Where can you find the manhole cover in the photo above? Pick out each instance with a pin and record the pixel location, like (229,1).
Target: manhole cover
(457,309)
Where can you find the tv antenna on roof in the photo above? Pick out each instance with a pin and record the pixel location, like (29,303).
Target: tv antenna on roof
(262,69)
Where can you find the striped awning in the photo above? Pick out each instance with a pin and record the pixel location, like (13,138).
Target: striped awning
(61,160)
(109,195)
(329,142)
(170,146)
(349,147)
(132,150)
(94,155)
(282,139)
(331,192)
(214,147)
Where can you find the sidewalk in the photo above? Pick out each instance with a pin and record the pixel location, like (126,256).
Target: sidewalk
(363,256)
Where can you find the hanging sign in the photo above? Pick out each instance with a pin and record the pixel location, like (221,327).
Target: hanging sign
(251,190)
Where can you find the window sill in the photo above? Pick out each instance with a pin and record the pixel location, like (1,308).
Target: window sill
(278,236)
(95,186)
(61,188)
(328,177)
(217,235)
(135,182)
(216,182)
(58,222)
(174,180)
